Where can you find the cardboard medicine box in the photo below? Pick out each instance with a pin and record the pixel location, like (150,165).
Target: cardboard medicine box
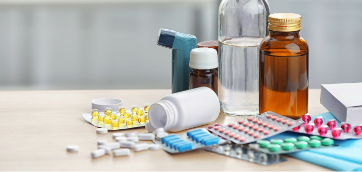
(344,101)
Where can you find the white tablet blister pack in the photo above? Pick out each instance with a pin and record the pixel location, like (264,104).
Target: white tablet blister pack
(191,140)
(243,152)
(254,128)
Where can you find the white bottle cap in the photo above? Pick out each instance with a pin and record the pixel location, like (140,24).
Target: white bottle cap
(203,58)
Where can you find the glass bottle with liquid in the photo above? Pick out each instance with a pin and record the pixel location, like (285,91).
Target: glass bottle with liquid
(284,67)
(242,26)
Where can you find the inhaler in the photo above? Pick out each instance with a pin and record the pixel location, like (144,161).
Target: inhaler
(181,45)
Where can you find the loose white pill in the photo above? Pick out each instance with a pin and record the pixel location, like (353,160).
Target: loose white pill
(126,144)
(106,148)
(132,139)
(102,142)
(72,148)
(114,135)
(120,139)
(121,152)
(153,146)
(102,130)
(98,153)
(149,127)
(130,134)
(113,145)
(147,136)
(140,147)
(160,135)
(158,130)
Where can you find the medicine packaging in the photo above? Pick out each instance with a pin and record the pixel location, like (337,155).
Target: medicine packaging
(191,140)
(243,152)
(254,128)
(124,119)
(289,145)
(331,128)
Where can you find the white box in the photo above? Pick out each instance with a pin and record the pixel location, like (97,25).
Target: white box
(344,101)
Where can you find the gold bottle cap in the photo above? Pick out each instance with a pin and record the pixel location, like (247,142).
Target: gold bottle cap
(284,22)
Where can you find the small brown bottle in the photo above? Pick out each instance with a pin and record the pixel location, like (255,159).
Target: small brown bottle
(203,62)
(283,68)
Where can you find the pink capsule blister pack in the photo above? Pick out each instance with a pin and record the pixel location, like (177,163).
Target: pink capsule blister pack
(331,128)
(254,128)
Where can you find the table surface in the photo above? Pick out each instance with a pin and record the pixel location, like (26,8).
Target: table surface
(36,127)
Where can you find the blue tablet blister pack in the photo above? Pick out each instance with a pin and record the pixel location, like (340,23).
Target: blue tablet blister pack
(191,140)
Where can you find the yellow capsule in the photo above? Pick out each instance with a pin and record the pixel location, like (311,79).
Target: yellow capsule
(121,120)
(122,110)
(95,113)
(129,123)
(114,124)
(141,120)
(108,112)
(146,108)
(114,116)
(107,120)
(146,118)
(134,109)
(100,118)
(127,115)
(134,118)
(140,112)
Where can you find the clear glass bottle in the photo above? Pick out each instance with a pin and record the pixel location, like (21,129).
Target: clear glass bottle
(284,67)
(242,26)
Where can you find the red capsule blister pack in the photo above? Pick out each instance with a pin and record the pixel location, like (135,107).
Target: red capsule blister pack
(254,128)
(328,128)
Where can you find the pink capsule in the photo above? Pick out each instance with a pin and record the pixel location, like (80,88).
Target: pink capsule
(241,121)
(260,122)
(217,127)
(274,117)
(309,128)
(266,132)
(237,137)
(285,121)
(295,129)
(236,127)
(357,130)
(242,139)
(265,124)
(280,119)
(322,130)
(331,124)
(241,129)
(318,121)
(218,124)
(290,123)
(261,130)
(276,129)
(256,135)
(210,127)
(269,115)
(346,127)
(256,128)
(251,133)
(246,124)
(222,130)
(232,134)
(231,124)
(271,126)
(246,131)
(251,125)
(255,121)
(227,132)
(250,118)
(306,118)
(336,132)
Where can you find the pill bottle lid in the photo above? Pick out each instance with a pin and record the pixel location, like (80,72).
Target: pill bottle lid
(284,22)
(203,58)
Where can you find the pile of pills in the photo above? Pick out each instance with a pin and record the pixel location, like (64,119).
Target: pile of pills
(254,128)
(329,128)
(193,139)
(122,119)
(288,145)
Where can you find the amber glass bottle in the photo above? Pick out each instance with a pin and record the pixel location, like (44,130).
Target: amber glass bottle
(203,62)
(283,70)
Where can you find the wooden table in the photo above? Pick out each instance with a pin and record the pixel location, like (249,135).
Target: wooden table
(36,127)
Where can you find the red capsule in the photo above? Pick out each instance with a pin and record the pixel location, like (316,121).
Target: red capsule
(256,135)
(306,118)
(322,130)
(246,131)
(276,129)
(250,118)
(251,125)
(242,139)
(246,124)
(237,137)
(336,132)
(346,127)
(217,127)
(357,130)
(261,130)
(232,134)
(274,117)
(285,121)
(269,115)
(241,121)
(231,124)
(255,121)
(260,122)
(271,126)
(241,129)
(266,132)
(290,123)
(251,133)
(318,121)
(222,130)
(331,124)
(280,119)
(265,124)
(295,129)
(227,132)
(309,128)
(236,127)
(256,128)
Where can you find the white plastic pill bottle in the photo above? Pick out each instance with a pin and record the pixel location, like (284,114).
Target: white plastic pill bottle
(184,110)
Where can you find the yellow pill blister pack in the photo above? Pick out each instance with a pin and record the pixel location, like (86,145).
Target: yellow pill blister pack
(118,120)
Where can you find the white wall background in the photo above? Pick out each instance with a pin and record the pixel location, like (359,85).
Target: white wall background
(111,44)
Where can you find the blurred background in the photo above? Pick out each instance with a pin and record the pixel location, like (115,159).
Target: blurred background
(111,44)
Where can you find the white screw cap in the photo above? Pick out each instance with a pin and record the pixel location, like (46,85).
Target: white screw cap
(203,58)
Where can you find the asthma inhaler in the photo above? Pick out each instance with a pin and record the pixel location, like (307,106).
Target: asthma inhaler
(181,45)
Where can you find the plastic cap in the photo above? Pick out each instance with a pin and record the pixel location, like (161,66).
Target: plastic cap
(166,38)
(203,58)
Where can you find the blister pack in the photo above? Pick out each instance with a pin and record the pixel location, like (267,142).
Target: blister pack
(191,140)
(124,119)
(243,152)
(254,128)
(331,128)
(289,145)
